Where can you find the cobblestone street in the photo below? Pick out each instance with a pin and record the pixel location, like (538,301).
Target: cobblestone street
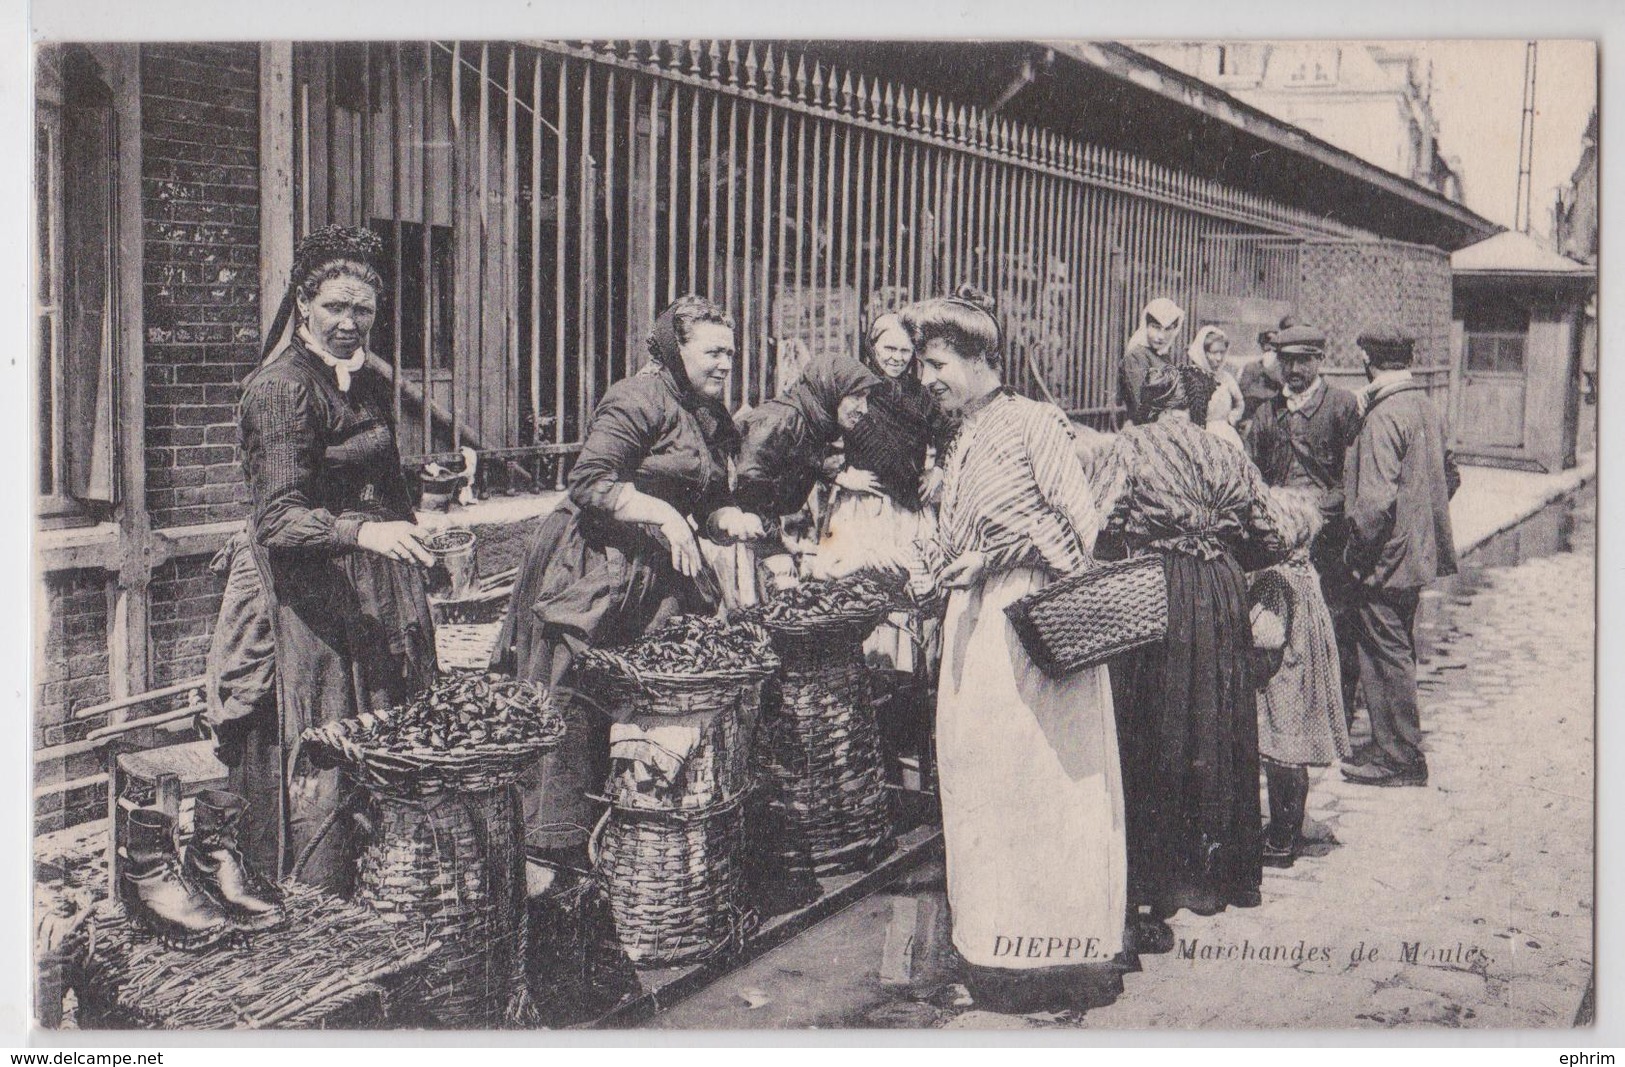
(1464,904)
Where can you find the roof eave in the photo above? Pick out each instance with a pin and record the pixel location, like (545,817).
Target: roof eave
(1139,69)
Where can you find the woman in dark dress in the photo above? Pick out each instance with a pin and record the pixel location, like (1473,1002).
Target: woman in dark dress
(328,583)
(879,507)
(1188,727)
(619,556)
(786,439)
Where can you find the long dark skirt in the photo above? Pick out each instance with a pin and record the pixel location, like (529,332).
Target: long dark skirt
(580,588)
(1188,734)
(350,633)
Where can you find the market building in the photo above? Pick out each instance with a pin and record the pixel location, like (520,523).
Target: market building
(541,200)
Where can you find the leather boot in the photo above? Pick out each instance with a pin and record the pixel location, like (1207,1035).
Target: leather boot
(214,863)
(1289,793)
(155,892)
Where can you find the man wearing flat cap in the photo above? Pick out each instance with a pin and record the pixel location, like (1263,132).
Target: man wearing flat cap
(1398,481)
(1299,439)
(1260,380)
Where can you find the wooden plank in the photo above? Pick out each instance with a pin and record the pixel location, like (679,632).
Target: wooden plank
(129,646)
(276,177)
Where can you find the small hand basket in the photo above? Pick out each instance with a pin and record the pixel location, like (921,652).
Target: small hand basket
(1089,618)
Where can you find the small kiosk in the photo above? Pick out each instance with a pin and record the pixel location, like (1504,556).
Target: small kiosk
(1515,344)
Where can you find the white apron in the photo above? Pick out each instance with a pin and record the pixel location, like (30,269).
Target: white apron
(1032,797)
(866,531)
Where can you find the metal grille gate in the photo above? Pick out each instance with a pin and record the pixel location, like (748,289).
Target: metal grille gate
(542,201)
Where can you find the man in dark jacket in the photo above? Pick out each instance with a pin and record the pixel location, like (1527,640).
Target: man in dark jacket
(1299,439)
(1398,481)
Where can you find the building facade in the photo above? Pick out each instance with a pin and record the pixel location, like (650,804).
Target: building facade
(1372,100)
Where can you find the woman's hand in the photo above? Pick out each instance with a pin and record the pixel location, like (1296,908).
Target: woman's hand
(399,541)
(963,572)
(685,550)
(859,481)
(737,524)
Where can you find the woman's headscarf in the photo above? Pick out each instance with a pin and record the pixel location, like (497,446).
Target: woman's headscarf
(825,382)
(667,352)
(1167,314)
(1198,348)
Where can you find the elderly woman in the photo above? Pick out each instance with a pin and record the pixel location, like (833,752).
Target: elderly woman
(1189,725)
(1031,801)
(1152,345)
(325,614)
(619,556)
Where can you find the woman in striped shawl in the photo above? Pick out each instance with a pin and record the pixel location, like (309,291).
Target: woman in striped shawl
(1031,800)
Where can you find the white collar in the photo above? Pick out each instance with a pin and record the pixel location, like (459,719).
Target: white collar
(1390,377)
(342,368)
(1299,401)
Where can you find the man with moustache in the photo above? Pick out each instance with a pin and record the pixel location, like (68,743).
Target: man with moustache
(1299,439)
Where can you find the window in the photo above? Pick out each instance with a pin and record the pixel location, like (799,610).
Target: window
(1495,334)
(1224,61)
(1316,66)
(75,288)
(1495,353)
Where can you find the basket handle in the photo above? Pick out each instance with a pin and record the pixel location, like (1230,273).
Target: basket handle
(595,840)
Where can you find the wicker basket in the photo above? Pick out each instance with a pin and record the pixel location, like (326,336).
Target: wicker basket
(716,768)
(672,879)
(454,866)
(722,709)
(821,766)
(1093,616)
(825,638)
(425,773)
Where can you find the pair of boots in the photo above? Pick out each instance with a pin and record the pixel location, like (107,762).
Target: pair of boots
(1289,794)
(193,901)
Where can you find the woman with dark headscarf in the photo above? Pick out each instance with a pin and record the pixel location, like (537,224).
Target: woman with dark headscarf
(1188,724)
(785,440)
(325,614)
(878,509)
(619,556)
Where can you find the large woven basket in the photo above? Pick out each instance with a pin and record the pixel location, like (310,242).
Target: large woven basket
(722,706)
(822,770)
(673,881)
(454,866)
(823,638)
(717,768)
(1087,619)
(424,773)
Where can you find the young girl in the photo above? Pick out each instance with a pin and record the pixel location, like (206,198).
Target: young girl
(1207,352)
(1300,705)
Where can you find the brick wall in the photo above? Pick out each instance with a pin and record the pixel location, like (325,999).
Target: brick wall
(200,201)
(72,674)
(185,600)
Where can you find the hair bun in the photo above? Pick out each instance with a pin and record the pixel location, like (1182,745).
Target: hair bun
(339,242)
(972,295)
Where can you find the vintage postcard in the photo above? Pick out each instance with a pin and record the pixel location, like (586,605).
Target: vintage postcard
(745,534)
